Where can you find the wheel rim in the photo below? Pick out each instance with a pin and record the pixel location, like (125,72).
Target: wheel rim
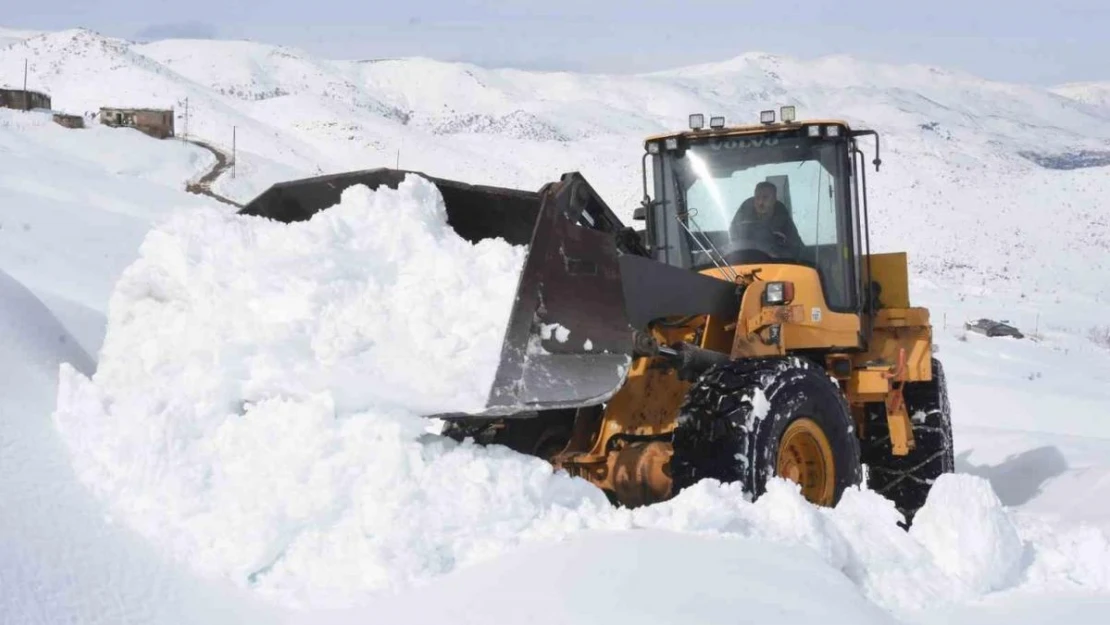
(805,457)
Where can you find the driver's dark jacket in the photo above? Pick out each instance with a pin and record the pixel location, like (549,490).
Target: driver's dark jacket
(778,221)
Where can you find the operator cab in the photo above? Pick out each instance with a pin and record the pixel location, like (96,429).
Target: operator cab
(782,192)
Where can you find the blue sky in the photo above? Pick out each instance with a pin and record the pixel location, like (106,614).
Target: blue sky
(1040,42)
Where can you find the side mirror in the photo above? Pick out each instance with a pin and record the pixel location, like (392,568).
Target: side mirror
(640,214)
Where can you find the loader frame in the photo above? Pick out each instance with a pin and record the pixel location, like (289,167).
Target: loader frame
(642,330)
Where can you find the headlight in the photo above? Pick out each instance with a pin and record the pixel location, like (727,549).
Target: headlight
(778,293)
(671,143)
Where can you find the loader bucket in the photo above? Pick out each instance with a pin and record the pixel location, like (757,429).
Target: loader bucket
(571,280)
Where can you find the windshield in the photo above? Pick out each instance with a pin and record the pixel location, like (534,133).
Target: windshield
(759,200)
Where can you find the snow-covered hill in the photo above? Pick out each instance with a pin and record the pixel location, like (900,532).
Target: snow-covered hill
(74,206)
(1094,93)
(245,464)
(9,36)
(1000,169)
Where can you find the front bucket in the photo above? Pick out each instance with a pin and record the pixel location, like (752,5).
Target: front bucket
(568,342)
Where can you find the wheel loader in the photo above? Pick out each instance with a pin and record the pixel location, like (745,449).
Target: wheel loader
(745,332)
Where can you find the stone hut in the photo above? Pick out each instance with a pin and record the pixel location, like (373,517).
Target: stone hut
(23,100)
(157,123)
(69,121)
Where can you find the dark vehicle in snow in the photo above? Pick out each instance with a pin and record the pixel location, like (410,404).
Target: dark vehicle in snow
(992,328)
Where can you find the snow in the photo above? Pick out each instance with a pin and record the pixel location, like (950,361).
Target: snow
(1096,94)
(227,325)
(560,332)
(76,204)
(647,576)
(761,406)
(237,341)
(242,452)
(959,145)
(61,560)
(969,534)
(8,36)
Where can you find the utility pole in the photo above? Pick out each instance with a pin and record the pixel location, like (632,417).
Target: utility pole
(26,96)
(186,117)
(233,157)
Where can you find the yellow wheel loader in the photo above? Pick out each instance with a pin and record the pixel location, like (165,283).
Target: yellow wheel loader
(745,332)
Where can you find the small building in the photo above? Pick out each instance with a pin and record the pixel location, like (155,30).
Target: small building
(69,121)
(23,100)
(157,123)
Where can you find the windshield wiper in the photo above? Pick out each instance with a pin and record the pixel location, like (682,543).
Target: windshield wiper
(683,211)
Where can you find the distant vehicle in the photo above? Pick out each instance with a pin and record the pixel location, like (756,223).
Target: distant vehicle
(992,328)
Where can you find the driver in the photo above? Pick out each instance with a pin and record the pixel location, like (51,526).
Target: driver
(763,218)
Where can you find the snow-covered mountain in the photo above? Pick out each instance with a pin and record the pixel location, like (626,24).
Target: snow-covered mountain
(291,496)
(10,35)
(1000,169)
(1094,93)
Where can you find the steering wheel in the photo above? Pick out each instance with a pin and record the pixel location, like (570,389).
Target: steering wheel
(744,255)
(751,236)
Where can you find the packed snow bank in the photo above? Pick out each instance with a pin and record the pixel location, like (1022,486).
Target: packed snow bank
(254,414)
(645,577)
(75,205)
(60,560)
(33,344)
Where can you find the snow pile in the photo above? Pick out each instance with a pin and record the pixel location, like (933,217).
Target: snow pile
(224,416)
(61,560)
(255,414)
(376,300)
(969,534)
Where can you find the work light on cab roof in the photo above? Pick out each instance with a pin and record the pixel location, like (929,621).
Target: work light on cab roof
(787,115)
(697,121)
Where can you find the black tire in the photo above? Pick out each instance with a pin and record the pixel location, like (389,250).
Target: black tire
(906,480)
(721,436)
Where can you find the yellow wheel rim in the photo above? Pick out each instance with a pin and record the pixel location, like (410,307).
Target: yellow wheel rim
(806,458)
